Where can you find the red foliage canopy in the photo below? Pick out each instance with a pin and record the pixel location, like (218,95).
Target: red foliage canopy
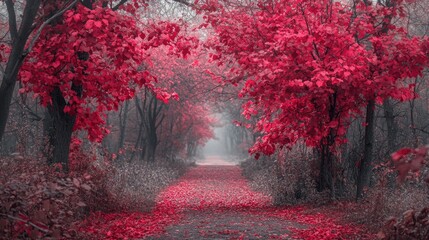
(188,118)
(311,66)
(104,52)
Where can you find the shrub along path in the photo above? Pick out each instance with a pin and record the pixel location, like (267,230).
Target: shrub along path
(215,202)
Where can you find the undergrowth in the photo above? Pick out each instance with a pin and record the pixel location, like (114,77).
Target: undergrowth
(391,209)
(37,201)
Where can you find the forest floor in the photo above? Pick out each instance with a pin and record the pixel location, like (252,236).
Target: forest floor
(214,201)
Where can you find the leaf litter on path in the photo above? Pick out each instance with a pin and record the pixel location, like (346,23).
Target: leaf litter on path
(216,202)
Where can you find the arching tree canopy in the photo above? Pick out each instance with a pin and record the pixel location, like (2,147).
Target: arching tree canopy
(117,99)
(311,66)
(96,58)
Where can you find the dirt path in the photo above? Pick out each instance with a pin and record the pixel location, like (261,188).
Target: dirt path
(216,202)
(215,161)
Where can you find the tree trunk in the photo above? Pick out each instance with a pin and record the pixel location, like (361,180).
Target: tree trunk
(365,167)
(412,120)
(16,57)
(107,141)
(391,125)
(141,144)
(123,116)
(170,149)
(48,134)
(326,178)
(6,93)
(62,128)
(151,129)
(191,150)
(413,125)
(152,144)
(152,125)
(280,194)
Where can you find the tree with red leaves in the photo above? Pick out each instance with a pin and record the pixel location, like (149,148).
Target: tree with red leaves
(90,62)
(185,123)
(21,33)
(312,66)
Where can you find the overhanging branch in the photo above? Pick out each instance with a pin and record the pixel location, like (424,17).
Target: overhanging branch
(39,31)
(122,2)
(12,20)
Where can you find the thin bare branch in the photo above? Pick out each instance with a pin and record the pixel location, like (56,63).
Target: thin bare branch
(25,221)
(2,70)
(39,31)
(12,20)
(184,2)
(122,2)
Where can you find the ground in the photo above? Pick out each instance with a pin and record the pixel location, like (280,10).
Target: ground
(214,201)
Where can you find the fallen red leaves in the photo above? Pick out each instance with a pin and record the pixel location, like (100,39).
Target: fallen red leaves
(319,225)
(216,189)
(127,225)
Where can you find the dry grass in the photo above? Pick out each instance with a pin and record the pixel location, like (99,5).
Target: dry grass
(134,186)
(396,211)
(36,201)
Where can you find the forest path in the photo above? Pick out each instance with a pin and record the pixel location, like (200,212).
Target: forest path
(216,161)
(216,202)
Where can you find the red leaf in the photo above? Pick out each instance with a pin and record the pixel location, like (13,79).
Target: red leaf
(77,17)
(89,24)
(97,24)
(56,64)
(401,153)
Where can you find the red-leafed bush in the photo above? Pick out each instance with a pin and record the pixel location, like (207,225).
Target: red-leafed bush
(387,199)
(134,186)
(120,185)
(38,202)
(411,225)
(286,178)
(130,187)
(407,206)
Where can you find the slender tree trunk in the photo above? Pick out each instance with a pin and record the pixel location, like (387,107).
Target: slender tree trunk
(137,144)
(326,168)
(151,129)
(326,178)
(141,145)
(280,196)
(152,144)
(323,172)
(16,57)
(153,123)
(391,125)
(365,167)
(6,93)
(48,134)
(169,150)
(413,124)
(123,116)
(191,150)
(107,141)
(412,120)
